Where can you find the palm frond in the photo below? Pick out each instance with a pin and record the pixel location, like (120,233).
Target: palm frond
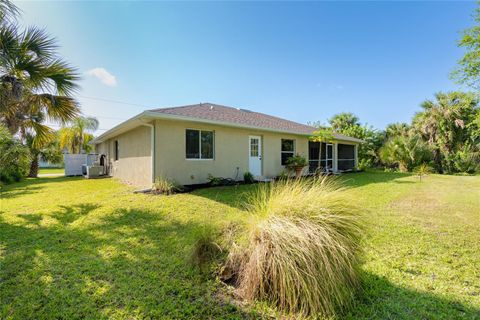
(57,108)
(8,11)
(8,46)
(42,134)
(63,76)
(35,40)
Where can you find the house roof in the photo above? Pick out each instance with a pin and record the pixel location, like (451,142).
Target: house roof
(223,115)
(215,112)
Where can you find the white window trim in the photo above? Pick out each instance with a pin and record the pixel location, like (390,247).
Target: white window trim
(294,149)
(200,145)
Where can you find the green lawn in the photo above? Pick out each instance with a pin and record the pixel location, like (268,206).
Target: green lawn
(51,171)
(77,248)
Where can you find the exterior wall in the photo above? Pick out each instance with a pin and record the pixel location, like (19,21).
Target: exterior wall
(135,162)
(231,152)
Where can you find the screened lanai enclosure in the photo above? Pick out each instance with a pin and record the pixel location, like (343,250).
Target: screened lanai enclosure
(331,157)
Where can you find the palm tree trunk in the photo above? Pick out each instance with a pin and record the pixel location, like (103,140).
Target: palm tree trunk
(33,167)
(403,167)
(437,159)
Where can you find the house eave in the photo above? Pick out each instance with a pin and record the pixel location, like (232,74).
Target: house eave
(151,115)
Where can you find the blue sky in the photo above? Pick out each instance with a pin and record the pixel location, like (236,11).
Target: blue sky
(301,61)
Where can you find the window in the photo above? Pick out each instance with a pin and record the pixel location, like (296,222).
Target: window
(288,150)
(346,157)
(254,147)
(199,144)
(116,150)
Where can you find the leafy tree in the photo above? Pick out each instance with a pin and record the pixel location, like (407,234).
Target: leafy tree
(468,70)
(322,135)
(348,124)
(14,157)
(446,124)
(405,152)
(76,137)
(368,151)
(466,159)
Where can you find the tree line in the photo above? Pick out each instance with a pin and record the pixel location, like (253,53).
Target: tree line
(444,134)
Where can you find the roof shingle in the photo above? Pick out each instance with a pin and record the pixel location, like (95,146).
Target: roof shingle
(215,112)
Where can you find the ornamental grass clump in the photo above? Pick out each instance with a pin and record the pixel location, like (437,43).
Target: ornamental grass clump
(302,255)
(165,186)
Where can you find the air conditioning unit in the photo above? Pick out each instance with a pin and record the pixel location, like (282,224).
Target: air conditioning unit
(94,171)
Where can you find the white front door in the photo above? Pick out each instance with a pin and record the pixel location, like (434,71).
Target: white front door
(255,155)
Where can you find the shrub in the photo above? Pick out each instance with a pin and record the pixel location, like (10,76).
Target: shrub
(284,175)
(364,164)
(248,177)
(302,255)
(406,152)
(165,186)
(466,160)
(14,157)
(219,181)
(297,161)
(423,170)
(214,181)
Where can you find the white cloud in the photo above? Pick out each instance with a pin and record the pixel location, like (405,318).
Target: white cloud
(103,75)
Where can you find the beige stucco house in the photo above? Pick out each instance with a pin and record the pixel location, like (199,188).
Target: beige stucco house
(188,143)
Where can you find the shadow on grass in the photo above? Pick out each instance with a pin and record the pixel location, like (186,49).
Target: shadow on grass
(126,263)
(381,299)
(237,196)
(31,186)
(354,180)
(233,196)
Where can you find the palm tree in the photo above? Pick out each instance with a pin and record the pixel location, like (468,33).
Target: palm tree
(343,120)
(442,123)
(34,80)
(406,152)
(76,136)
(35,84)
(49,152)
(397,129)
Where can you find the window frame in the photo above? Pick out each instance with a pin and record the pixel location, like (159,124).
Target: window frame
(200,145)
(289,152)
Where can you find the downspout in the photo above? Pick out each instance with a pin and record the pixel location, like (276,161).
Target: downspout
(152,146)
